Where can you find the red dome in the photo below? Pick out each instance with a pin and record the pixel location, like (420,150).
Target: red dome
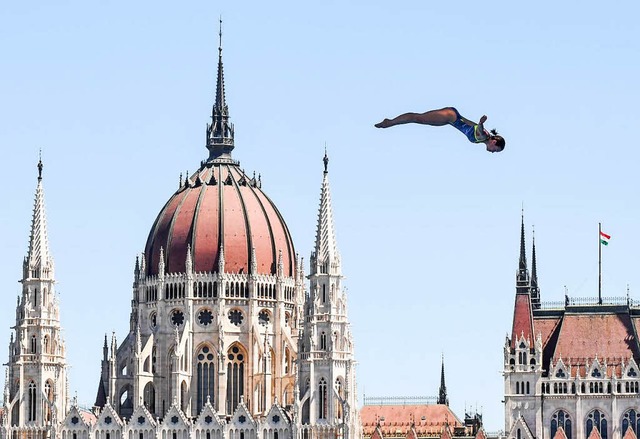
(220,206)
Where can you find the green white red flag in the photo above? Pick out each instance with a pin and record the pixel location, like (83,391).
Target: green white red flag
(604,238)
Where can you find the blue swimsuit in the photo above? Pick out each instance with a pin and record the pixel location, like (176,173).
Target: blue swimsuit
(473,132)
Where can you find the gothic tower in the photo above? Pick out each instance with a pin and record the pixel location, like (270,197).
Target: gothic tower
(35,392)
(522,354)
(327,386)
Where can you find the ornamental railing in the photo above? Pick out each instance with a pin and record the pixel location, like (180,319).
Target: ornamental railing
(399,400)
(578,301)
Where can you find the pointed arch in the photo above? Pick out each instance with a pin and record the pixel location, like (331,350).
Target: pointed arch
(149,397)
(205,376)
(236,358)
(322,399)
(596,419)
(561,419)
(630,419)
(31,402)
(48,400)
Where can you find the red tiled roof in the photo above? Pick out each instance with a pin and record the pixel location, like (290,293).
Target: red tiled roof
(545,327)
(210,213)
(583,336)
(429,420)
(522,319)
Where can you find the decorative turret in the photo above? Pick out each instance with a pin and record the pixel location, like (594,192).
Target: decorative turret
(328,395)
(522,277)
(442,393)
(37,352)
(326,258)
(220,131)
(535,289)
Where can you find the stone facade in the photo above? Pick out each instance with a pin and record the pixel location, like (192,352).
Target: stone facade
(570,369)
(224,341)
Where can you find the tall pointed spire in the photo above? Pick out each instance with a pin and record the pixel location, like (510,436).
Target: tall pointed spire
(442,393)
(522,278)
(38,263)
(220,132)
(326,258)
(535,290)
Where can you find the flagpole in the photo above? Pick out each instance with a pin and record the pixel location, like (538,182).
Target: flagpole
(599,264)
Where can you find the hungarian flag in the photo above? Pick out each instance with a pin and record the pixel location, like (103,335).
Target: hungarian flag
(604,238)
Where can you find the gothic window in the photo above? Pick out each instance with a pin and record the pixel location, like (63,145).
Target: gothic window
(630,419)
(33,344)
(154,352)
(263,317)
(597,420)
(323,341)
(48,391)
(517,387)
(339,398)
(518,434)
(560,374)
(596,373)
(561,419)
(324,293)
(177,317)
(153,320)
(322,399)
(527,387)
(150,397)
(205,317)
(632,372)
(205,375)
(184,397)
(236,317)
(235,377)
(31,402)
(287,360)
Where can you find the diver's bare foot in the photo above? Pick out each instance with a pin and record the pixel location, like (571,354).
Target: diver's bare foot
(384,124)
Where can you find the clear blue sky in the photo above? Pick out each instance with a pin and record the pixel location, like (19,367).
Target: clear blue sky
(117,95)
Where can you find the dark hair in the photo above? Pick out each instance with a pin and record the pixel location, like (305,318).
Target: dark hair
(499,139)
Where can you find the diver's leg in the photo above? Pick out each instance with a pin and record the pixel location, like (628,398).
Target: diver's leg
(439,117)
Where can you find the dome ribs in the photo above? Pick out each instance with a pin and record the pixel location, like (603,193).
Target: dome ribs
(261,259)
(161,232)
(237,183)
(236,253)
(281,241)
(198,209)
(180,232)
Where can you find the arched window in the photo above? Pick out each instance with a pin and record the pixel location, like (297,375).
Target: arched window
(630,419)
(150,397)
(518,434)
(45,345)
(323,341)
(184,397)
(517,387)
(33,344)
(339,398)
(596,419)
(205,375)
(32,402)
(561,419)
(527,387)
(48,391)
(322,399)
(235,377)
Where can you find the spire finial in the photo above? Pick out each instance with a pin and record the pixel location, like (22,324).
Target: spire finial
(325,159)
(220,132)
(40,166)
(442,394)
(220,38)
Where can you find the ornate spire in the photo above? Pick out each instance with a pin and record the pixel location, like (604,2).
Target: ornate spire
(535,290)
(522,278)
(220,131)
(38,263)
(325,258)
(442,394)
